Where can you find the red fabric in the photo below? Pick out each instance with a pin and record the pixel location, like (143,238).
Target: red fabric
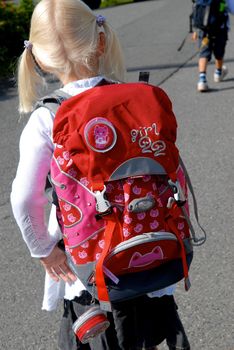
(175,212)
(129,107)
(110,233)
(136,121)
(86,328)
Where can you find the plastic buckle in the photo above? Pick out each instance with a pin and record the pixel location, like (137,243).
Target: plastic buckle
(178,193)
(103,206)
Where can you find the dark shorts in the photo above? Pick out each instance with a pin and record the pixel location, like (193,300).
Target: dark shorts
(216,45)
(135,324)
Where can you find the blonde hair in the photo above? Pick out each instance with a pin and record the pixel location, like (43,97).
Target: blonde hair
(64,35)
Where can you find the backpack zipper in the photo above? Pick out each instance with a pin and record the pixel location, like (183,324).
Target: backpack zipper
(142,239)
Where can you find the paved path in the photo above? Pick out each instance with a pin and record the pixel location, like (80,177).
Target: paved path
(150,32)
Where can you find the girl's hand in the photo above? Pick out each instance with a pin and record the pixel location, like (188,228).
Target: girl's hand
(57,267)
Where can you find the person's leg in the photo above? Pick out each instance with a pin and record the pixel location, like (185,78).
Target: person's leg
(202,84)
(202,64)
(106,340)
(67,338)
(151,322)
(73,309)
(219,52)
(137,323)
(204,57)
(219,63)
(125,320)
(176,337)
(159,321)
(220,71)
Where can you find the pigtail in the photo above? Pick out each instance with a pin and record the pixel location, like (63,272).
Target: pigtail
(113,59)
(29,82)
(63,40)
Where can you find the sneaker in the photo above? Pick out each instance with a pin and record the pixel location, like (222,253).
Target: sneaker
(219,75)
(202,85)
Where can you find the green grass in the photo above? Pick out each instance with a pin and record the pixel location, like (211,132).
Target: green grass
(14,24)
(107,3)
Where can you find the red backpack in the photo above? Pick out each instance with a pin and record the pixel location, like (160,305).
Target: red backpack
(122,191)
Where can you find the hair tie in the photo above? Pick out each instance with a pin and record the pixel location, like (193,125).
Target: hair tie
(28,45)
(100,20)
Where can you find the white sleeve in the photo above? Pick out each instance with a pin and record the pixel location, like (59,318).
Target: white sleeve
(28,198)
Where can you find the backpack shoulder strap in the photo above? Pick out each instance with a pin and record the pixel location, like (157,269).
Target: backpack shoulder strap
(53,101)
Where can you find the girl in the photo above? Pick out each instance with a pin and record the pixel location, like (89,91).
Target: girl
(79,48)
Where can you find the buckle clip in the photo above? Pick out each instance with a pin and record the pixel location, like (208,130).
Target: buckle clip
(177,192)
(102,204)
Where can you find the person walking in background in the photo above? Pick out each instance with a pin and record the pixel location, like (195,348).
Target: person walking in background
(81,49)
(211,24)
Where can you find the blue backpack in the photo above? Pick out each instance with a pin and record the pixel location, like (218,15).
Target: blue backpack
(210,15)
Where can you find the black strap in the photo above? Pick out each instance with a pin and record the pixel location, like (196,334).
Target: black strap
(53,101)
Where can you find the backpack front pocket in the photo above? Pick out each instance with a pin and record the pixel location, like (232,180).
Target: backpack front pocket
(143,252)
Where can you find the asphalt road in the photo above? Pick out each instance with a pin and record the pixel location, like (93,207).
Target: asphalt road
(151,33)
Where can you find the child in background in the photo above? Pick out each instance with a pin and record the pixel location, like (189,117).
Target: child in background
(79,48)
(212,21)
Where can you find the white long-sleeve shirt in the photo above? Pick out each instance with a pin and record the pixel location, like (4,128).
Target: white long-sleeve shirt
(29,201)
